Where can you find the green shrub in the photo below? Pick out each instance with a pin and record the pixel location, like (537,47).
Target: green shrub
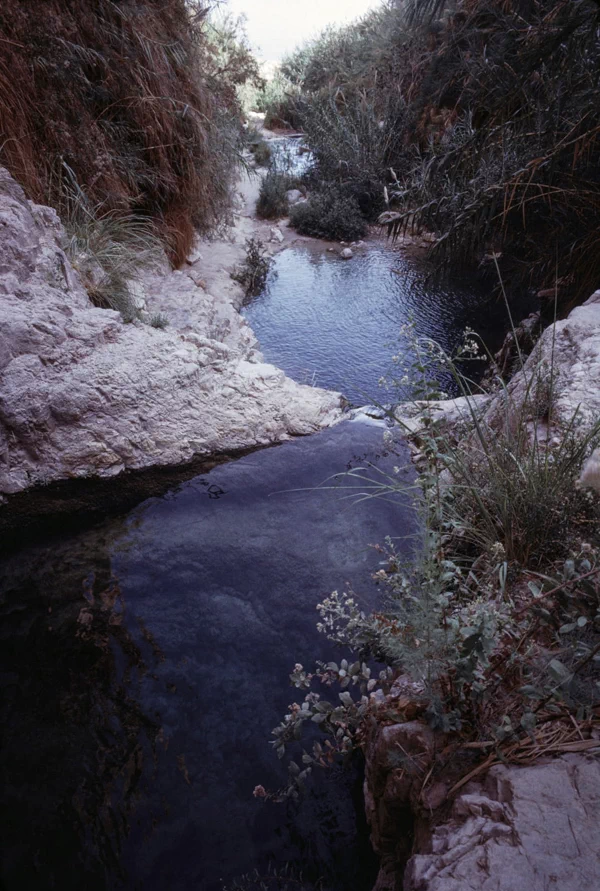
(272,201)
(329,215)
(278,102)
(262,153)
(159,321)
(252,274)
(495,616)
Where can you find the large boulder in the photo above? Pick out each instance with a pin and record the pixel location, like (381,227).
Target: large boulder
(82,393)
(565,368)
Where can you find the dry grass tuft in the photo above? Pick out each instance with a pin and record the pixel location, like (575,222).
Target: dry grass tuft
(122,93)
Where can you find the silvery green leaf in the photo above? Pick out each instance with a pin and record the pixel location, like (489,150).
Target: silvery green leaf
(528,721)
(559,671)
(531,691)
(582,621)
(566,629)
(346,698)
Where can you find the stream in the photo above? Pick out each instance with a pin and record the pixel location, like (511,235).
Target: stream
(146,660)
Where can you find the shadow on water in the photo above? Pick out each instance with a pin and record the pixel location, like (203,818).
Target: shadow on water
(144,664)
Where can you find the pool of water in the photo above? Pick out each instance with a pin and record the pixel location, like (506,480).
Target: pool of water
(144,664)
(145,661)
(335,323)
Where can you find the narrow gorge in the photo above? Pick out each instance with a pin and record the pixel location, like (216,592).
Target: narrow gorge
(299,450)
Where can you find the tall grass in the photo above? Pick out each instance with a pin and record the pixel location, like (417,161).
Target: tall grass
(130,96)
(109,250)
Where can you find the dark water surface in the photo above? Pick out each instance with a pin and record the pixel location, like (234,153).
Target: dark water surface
(335,323)
(145,663)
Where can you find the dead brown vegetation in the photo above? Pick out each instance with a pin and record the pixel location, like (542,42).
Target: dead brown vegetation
(117,97)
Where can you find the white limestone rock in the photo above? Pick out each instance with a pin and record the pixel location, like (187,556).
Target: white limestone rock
(530,827)
(84,394)
(572,346)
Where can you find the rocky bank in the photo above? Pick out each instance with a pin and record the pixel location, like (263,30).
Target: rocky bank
(83,394)
(533,827)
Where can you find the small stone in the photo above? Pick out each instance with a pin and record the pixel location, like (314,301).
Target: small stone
(294,196)
(346,254)
(277,235)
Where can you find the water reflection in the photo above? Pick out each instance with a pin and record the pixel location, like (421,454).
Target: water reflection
(77,747)
(335,323)
(144,665)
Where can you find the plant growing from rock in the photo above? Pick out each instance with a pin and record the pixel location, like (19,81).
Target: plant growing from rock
(109,250)
(252,274)
(495,617)
(159,321)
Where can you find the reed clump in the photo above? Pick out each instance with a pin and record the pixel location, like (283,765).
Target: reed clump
(128,95)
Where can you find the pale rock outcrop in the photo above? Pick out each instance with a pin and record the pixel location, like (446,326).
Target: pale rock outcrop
(534,828)
(515,828)
(84,394)
(571,347)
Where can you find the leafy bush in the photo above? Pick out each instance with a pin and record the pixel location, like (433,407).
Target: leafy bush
(262,153)
(329,215)
(252,275)
(352,146)
(272,201)
(485,650)
(278,102)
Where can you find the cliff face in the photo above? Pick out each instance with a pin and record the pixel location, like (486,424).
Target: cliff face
(84,394)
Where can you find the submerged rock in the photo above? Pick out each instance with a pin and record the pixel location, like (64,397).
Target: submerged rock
(82,393)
